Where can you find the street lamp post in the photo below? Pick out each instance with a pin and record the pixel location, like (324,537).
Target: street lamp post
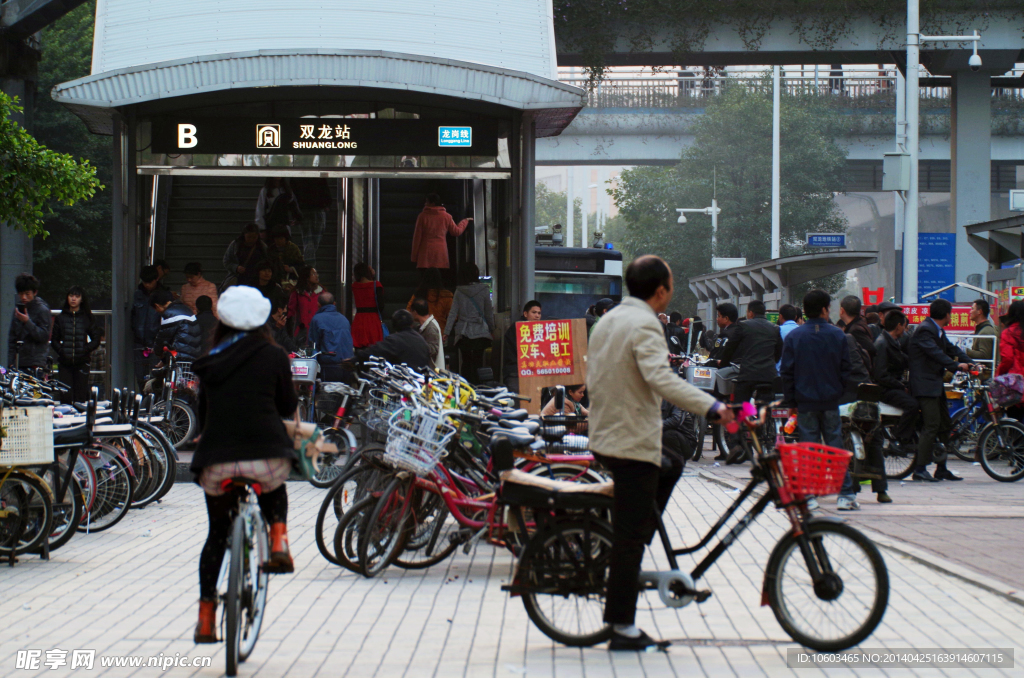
(910,211)
(714,211)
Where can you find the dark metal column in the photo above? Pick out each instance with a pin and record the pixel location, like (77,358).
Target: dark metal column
(527,235)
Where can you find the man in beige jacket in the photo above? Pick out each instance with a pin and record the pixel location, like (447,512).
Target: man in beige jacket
(628,375)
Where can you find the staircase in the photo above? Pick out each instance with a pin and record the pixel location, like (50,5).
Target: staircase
(205,214)
(401,201)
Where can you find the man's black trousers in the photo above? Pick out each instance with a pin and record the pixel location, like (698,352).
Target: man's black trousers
(639,486)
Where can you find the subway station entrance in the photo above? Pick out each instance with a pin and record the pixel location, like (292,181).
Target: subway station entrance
(197,142)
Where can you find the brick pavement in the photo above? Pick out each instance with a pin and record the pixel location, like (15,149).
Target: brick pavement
(972,523)
(123,592)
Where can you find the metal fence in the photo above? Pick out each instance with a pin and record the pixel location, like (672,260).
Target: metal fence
(874,88)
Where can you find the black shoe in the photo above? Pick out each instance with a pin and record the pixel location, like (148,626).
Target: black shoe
(721,457)
(620,642)
(924,476)
(946,474)
(736,455)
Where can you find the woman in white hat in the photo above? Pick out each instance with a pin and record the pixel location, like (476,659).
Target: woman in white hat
(245,388)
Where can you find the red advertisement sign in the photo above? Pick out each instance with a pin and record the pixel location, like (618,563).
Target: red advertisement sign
(959,320)
(544,348)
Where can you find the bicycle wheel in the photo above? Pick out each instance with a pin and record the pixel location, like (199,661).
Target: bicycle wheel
(347,534)
(255,603)
(235,595)
(179,425)
(386,529)
(847,603)
(115,489)
(721,439)
(170,457)
(333,464)
(67,513)
(160,469)
(433,537)
(1001,450)
(344,492)
(963,434)
(899,460)
(563,572)
(27,514)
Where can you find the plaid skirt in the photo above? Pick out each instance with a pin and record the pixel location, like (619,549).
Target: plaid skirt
(269,473)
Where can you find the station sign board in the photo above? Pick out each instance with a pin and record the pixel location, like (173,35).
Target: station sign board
(550,353)
(826,240)
(324,136)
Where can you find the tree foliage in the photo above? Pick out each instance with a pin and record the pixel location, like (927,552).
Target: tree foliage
(78,249)
(33,176)
(731,159)
(551,207)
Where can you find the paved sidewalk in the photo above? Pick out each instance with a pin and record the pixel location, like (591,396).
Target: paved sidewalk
(133,589)
(975,523)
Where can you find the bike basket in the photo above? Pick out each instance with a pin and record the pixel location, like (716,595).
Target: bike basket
(416,440)
(813,469)
(29,438)
(186,379)
(701,376)
(304,370)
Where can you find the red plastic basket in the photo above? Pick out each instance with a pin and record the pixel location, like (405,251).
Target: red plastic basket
(813,469)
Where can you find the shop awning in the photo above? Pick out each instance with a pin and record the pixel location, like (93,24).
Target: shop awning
(95,98)
(771,276)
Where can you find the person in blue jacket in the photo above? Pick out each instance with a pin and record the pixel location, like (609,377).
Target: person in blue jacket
(331,332)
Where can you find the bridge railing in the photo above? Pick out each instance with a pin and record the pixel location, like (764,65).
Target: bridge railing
(874,88)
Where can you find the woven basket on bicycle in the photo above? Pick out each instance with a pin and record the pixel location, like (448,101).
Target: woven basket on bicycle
(417,439)
(185,379)
(811,469)
(380,405)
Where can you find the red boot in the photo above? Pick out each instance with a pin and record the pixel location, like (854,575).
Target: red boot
(206,629)
(280,557)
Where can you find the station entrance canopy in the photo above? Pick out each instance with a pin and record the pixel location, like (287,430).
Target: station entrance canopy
(772,281)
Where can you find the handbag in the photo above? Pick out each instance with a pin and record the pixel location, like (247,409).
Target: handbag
(309,443)
(1007,389)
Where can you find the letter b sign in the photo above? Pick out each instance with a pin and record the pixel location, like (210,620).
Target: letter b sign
(187,136)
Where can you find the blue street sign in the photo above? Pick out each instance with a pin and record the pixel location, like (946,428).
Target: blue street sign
(936,262)
(448,137)
(826,240)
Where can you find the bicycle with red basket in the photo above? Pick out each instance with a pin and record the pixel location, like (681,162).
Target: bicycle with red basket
(825,581)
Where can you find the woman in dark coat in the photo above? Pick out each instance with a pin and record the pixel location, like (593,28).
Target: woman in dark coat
(245,389)
(76,334)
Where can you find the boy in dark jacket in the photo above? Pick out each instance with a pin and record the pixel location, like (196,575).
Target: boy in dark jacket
(30,325)
(403,345)
(890,367)
(815,369)
(145,322)
(179,330)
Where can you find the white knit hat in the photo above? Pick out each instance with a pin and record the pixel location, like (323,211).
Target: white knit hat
(243,308)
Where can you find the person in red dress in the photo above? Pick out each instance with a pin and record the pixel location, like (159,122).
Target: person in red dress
(429,242)
(368,298)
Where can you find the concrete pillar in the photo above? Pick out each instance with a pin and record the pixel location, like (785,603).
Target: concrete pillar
(971,170)
(528,235)
(15,245)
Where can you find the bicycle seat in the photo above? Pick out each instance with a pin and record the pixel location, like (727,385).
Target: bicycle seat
(524,489)
(241,481)
(112,430)
(71,436)
(531,426)
(515,415)
(518,437)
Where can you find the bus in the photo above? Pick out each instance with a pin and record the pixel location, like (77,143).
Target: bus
(569,280)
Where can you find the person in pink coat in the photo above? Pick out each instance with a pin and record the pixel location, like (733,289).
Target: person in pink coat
(429,242)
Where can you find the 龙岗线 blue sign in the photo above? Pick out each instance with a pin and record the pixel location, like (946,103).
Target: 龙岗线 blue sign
(457,137)
(826,240)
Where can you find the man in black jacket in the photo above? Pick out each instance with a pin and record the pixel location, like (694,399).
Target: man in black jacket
(179,330)
(855,325)
(145,322)
(403,345)
(931,354)
(30,326)
(890,366)
(509,359)
(726,319)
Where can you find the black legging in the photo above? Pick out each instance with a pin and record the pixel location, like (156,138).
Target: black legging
(221,512)
(77,377)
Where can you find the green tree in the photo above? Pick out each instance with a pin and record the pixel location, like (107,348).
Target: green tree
(551,207)
(31,175)
(78,249)
(731,159)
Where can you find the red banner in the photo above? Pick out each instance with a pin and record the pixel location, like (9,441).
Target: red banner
(959,319)
(544,348)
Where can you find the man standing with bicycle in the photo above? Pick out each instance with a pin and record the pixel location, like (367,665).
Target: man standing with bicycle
(628,376)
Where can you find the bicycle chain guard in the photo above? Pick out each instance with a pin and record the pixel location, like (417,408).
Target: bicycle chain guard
(665,582)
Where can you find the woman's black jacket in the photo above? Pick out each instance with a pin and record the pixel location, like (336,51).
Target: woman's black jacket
(244,392)
(75,336)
